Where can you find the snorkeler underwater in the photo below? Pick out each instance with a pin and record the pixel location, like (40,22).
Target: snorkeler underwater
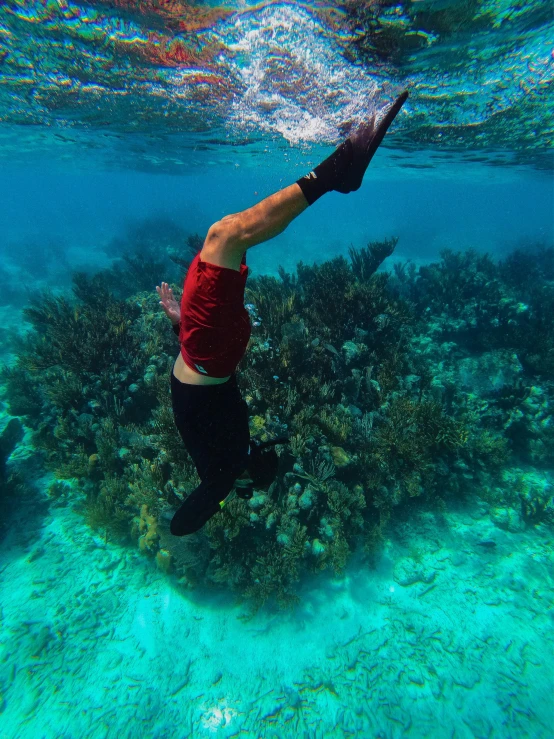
(277,372)
(213,326)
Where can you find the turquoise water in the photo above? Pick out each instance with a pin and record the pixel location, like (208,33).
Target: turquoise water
(397,579)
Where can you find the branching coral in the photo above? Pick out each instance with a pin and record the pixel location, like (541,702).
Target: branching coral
(346,503)
(402,450)
(82,338)
(106,509)
(274,300)
(146,486)
(323,288)
(367,260)
(335,423)
(488,449)
(271,576)
(320,470)
(165,432)
(363,383)
(459,278)
(145,526)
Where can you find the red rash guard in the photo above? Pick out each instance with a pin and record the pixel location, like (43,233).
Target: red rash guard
(215,325)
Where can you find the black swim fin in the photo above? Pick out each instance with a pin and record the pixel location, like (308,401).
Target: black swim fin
(344,170)
(364,143)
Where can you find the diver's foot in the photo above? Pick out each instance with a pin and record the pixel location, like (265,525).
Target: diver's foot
(363,144)
(344,170)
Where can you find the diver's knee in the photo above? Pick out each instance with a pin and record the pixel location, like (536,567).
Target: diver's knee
(224,232)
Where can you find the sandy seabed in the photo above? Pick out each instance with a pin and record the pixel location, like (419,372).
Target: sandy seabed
(97,643)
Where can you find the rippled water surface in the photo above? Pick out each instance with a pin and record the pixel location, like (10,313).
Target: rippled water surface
(182,77)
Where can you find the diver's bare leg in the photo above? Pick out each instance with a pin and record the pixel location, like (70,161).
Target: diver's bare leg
(343,171)
(229,238)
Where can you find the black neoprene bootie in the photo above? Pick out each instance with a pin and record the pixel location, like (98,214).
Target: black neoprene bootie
(344,170)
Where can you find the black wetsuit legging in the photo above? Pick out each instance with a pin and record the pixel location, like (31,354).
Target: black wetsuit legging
(213,423)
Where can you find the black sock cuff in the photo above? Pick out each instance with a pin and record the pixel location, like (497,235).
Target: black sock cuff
(328,175)
(312,187)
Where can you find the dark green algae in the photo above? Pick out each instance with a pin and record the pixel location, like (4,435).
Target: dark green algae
(417,387)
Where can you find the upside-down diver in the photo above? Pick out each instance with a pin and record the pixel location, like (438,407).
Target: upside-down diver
(213,326)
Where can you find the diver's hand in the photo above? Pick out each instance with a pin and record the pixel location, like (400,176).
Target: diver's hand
(170,306)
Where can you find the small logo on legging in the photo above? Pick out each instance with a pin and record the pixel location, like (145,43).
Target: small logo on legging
(311,176)
(201,369)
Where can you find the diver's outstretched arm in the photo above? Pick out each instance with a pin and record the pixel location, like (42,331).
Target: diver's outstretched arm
(343,171)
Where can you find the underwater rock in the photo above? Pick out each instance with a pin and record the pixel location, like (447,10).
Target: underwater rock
(410,381)
(318,548)
(407,572)
(535,401)
(163,560)
(351,351)
(306,500)
(508,519)
(535,490)
(326,530)
(437,390)
(291,501)
(257,501)
(150,374)
(340,457)
(59,492)
(488,372)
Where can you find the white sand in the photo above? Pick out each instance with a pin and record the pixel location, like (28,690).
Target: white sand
(96,642)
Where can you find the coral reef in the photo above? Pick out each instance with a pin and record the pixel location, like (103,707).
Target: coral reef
(397,390)
(146,527)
